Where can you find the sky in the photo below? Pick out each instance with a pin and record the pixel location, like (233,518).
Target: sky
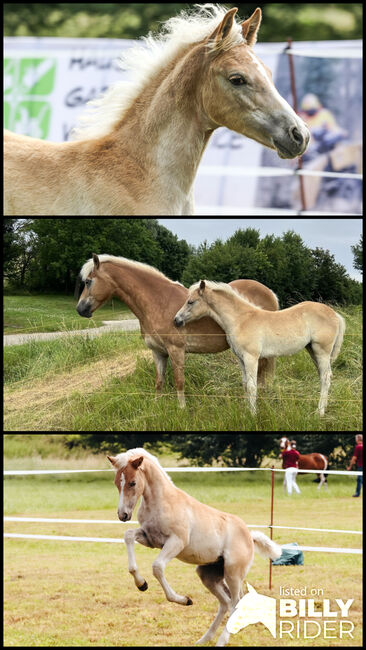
(335,235)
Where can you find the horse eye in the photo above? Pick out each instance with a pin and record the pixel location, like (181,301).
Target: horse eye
(237,81)
(132,484)
(190,302)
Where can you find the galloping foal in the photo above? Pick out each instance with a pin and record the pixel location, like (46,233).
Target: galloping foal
(253,333)
(141,144)
(219,543)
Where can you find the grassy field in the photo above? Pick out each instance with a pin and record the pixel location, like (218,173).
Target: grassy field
(81,594)
(27,314)
(107,384)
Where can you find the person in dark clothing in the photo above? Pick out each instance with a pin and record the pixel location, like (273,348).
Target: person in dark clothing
(358,459)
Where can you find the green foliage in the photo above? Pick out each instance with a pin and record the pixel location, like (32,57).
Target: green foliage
(301,21)
(285,264)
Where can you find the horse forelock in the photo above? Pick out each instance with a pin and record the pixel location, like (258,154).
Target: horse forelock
(146,58)
(122,460)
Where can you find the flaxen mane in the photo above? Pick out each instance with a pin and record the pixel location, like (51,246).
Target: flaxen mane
(145,59)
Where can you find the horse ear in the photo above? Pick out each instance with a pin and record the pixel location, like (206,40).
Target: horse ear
(202,287)
(251,26)
(96,261)
(112,459)
(224,28)
(137,462)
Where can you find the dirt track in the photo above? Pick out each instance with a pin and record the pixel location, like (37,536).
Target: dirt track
(110,326)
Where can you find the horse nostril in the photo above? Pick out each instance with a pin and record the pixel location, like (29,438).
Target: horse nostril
(296,135)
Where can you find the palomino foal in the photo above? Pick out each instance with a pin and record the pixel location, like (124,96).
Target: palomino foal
(155,299)
(142,142)
(183,528)
(253,333)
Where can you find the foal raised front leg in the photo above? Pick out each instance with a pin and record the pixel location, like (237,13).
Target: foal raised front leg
(138,535)
(172,547)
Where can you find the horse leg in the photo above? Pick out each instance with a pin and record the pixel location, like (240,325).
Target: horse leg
(172,547)
(160,361)
(139,536)
(177,359)
(213,578)
(251,369)
(322,358)
(266,368)
(233,579)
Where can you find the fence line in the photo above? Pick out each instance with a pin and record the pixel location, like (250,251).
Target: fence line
(20,472)
(114,521)
(111,540)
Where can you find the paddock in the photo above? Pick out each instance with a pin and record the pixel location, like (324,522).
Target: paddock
(80,593)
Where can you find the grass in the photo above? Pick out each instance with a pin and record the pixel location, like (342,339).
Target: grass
(107,384)
(80,594)
(27,314)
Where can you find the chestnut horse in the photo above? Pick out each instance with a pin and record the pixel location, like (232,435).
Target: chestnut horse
(154,299)
(309,461)
(219,543)
(254,333)
(142,142)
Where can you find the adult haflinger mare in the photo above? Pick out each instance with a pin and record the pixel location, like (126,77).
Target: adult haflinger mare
(254,333)
(155,299)
(308,461)
(219,543)
(141,144)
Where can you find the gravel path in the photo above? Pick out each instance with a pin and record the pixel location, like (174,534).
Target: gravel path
(109,326)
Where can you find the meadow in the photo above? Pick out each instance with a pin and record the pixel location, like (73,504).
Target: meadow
(81,594)
(107,384)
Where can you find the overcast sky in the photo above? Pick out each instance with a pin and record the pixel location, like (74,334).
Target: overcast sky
(335,235)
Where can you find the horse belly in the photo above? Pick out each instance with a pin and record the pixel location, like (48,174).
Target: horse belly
(275,345)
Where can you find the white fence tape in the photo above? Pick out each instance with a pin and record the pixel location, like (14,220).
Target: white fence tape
(66,538)
(114,521)
(20,472)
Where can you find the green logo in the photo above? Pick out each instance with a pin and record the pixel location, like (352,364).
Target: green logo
(28,84)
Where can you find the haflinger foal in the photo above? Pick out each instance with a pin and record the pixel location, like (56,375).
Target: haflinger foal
(219,543)
(253,333)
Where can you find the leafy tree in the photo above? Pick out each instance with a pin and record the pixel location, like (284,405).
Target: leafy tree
(358,255)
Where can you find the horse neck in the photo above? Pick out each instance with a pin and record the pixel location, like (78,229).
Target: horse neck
(135,287)
(158,487)
(165,129)
(225,307)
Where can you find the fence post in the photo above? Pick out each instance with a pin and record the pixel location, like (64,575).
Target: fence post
(271,528)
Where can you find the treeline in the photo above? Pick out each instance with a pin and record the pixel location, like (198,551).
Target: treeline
(206,448)
(301,21)
(45,255)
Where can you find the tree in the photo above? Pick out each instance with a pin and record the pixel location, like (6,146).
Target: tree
(358,255)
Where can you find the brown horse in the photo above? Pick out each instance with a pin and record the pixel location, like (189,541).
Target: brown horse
(155,299)
(309,461)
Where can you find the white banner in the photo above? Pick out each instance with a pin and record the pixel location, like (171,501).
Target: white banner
(47,82)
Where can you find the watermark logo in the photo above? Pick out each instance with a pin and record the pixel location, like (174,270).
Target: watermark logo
(295,617)
(253,608)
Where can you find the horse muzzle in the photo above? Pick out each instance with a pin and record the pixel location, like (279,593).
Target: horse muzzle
(124,516)
(178,322)
(84,309)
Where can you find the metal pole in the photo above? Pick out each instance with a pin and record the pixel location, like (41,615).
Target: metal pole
(294,101)
(271,528)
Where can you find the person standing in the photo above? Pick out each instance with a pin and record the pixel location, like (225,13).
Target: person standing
(358,459)
(290,458)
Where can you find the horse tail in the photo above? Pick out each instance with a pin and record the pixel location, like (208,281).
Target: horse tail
(265,546)
(339,338)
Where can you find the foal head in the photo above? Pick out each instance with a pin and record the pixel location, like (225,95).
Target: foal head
(130,483)
(99,287)
(239,92)
(195,306)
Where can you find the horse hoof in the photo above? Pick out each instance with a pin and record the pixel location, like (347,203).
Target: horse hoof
(143,587)
(189,601)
